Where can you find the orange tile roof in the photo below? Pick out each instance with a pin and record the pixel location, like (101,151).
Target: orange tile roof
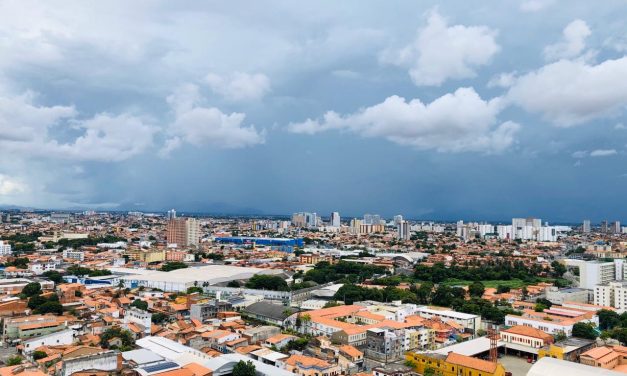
(468,361)
(528,331)
(597,352)
(351,351)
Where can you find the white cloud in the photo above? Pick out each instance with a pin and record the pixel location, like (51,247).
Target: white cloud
(25,129)
(620,127)
(573,92)
(239,86)
(456,122)
(603,152)
(10,186)
(573,43)
(580,154)
(535,5)
(198,125)
(441,52)
(503,80)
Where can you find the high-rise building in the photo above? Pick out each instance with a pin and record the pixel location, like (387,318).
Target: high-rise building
(372,219)
(183,232)
(616,227)
(305,219)
(171,214)
(604,227)
(404,230)
(335,219)
(5,248)
(586,226)
(398,219)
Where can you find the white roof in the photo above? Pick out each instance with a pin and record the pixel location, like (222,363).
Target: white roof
(142,356)
(551,366)
(212,274)
(468,348)
(447,312)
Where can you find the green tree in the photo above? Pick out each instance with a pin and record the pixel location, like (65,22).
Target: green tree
(501,289)
(54,276)
(50,307)
(193,289)
(267,282)
(140,304)
(584,330)
(476,289)
(39,354)
(608,319)
(243,368)
(169,266)
(158,318)
(33,288)
(233,283)
(116,332)
(14,360)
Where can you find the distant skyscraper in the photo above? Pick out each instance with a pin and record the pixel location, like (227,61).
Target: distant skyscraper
(183,232)
(616,227)
(398,219)
(604,227)
(586,226)
(372,219)
(335,219)
(404,230)
(171,214)
(305,219)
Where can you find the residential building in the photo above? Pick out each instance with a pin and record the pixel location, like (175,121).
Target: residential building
(453,364)
(558,296)
(384,344)
(209,310)
(585,228)
(335,219)
(5,248)
(184,232)
(526,336)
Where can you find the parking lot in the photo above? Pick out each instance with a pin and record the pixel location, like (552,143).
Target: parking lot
(517,366)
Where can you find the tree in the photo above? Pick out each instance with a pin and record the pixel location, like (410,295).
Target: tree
(33,288)
(243,368)
(524,292)
(476,289)
(233,283)
(116,332)
(443,296)
(608,319)
(35,301)
(558,269)
(140,304)
(39,354)
(560,336)
(158,318)
(14,360)
(50,307)
(169,266)
(584,330)
(501,289)
(193,289)
(267,282)
(54,276)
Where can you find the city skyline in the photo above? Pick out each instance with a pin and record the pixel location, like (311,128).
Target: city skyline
(277,108)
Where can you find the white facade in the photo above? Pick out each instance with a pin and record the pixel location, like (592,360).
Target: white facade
(550,327)
(404,230)
(138,316)
(64,337)
(5,248)
(613,294)
(335,219)
(592,273)
(73,254)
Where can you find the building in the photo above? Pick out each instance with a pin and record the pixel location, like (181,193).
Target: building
(392,370)
(585,228)
(209,310)
(171,214)
(73,254)
(335,219)
(453,364)
(184,232)
(138,319)
(146,255)
(593,273)
(569,349)
(608,357)
(613,294)
(558,296)
(526,336)
(404,230)
(550,366)
(5,248)
(471,323)
(62,337)
(259,334)
(308,366)
(384,344)
(554,321)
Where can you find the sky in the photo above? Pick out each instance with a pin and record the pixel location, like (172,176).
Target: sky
(476,110)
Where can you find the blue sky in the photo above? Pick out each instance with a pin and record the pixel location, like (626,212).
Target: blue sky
(465,109)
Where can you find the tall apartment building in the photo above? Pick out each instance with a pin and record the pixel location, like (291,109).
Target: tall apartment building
(586,226)
(613,294)
(593,273)
(616,227)
(305,219)
(183,232)
(5,248)
(335,219)
(404,230)
(372,219)
(171,214)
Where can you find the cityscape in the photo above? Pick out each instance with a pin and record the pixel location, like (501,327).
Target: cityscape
(313,188)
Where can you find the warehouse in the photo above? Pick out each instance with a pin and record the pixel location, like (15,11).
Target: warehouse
(182,279)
